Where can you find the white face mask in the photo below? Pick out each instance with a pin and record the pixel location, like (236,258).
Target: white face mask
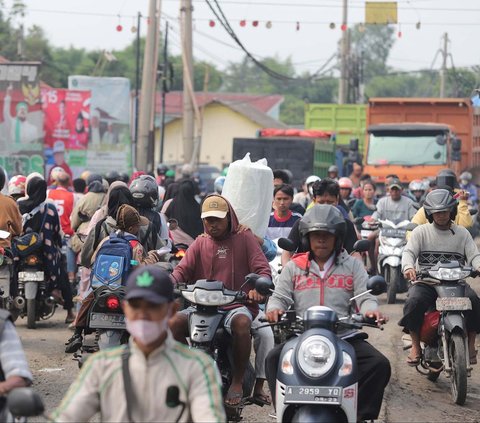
(146,331)
(464,182)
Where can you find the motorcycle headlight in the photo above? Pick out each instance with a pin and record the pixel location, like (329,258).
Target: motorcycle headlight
(347,366)
(316,356)
(287,366)
(449,274)
(208,298)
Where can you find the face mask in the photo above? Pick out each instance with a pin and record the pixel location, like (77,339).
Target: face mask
(464,182)
(146,331)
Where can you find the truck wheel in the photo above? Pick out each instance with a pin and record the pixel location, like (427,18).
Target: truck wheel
(458,359)
(31,314)
(393,279)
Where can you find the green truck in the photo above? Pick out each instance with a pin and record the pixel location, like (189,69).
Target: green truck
(346,121)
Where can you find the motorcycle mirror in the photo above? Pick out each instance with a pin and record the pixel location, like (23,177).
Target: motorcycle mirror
(263,285)
(172,224)
(361,245)
(25,402)
(286,244)
(411,226)
(473,211)
(377,285)
(4,234)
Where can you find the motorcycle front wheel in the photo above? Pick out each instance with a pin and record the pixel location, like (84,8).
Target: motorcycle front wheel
(458,359)
(31,314)
(392,276)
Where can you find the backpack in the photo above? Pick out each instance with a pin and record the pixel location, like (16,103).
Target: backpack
(113,260)
(30,241)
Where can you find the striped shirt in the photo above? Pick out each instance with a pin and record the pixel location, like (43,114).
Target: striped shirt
(99,386)
(12,356)
(279,227)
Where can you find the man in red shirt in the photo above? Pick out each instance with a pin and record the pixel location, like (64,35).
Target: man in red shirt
(64,201)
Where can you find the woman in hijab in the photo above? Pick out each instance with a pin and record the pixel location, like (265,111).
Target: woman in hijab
(42,217)
(170,193)
(185,209)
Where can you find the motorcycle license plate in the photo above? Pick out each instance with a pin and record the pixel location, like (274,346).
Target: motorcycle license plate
(453,304)
(107,321)
(30,276)
(312,395)
(393,233)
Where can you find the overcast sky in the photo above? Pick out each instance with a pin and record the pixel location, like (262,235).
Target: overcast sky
(91,24)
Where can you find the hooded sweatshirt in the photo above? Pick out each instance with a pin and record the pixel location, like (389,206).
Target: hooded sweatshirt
(301,281)
(227,260)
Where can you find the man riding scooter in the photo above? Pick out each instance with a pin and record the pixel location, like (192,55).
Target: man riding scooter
(327,275)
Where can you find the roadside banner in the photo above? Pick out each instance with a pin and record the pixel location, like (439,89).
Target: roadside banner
(109,145)
(21,118)
(66,124)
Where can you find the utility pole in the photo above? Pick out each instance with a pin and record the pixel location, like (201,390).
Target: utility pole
(165,89)
(137,88)
(188,92)
(443,71)
(342,85)
(149,77)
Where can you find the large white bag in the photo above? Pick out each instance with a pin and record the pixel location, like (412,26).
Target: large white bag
(249,188)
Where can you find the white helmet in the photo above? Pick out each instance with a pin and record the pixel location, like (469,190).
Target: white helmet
(311,179)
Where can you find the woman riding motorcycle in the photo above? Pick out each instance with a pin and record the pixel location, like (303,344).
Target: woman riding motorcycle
(327,275)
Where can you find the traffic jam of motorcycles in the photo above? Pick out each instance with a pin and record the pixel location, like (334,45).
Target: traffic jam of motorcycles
(268,299)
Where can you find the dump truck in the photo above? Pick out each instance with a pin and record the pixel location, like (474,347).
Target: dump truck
(414,138)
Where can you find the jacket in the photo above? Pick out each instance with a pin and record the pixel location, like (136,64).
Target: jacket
(463,217)
(99,386)
(84,210)
(300,280)
(10,219)
(227,260)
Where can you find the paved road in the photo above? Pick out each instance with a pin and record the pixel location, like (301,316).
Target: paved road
(410,397)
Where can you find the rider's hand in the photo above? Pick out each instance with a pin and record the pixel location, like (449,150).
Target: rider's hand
(410,274)
(274,315)
(379,317)
(242,228)
(255,296)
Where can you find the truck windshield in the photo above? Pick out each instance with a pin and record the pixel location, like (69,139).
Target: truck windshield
(405,150)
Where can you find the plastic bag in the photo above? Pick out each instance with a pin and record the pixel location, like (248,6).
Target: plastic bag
(249,188)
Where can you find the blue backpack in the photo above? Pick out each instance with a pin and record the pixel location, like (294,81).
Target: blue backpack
(113,261)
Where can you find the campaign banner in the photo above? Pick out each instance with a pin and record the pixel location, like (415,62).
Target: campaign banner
(66,124)
(109,143)
(21,118)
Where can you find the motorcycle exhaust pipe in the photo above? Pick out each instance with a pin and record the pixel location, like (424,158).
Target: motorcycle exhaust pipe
(19,302)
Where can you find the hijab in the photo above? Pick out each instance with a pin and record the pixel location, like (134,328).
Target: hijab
(186,210)
(36,191)
(119,195)
(171,191)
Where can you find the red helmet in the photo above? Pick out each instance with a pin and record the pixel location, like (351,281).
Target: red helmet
(16,185)
(345,183)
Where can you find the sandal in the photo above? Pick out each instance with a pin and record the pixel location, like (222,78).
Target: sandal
(260,399)
(413,361)
(473,357)
(233,399)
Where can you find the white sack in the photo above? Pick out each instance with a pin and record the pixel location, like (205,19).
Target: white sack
(249,188)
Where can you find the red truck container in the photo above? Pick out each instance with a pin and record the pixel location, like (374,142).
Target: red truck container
(416,137)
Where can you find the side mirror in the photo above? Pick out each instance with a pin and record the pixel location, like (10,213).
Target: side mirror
(263,286)
(473,211)
(411,226)
(25,402)
(361,245)
(377,285)
(456,149)
(286,244)
(172,224)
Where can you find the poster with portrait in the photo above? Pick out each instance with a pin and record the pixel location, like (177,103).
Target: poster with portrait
(66,124)
(21,118)
(109,142)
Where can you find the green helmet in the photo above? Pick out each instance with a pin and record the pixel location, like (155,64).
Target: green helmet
(170,173)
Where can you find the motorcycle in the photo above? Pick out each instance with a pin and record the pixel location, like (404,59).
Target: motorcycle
(106,322)
(317,374)
(392,241)
(444,333)
(208,334)
(6,273)
(32,300)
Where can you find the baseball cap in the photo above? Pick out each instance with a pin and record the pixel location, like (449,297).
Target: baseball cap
(58,147)
(128,216)
(214,206)
(395,183)
(150,283)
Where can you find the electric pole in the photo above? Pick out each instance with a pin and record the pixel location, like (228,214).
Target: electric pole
(149,77)
(342,86)
(443,71)
(188,90)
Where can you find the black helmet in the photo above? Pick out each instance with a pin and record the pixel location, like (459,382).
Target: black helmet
(447,178)
(144,190)
(162,169)
(440,200)
(323,217)
(3,178)
(124,177)
(112,176)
